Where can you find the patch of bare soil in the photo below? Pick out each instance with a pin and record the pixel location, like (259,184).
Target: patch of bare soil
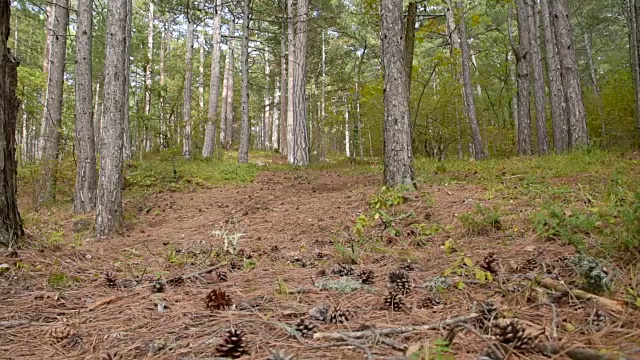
(292,224)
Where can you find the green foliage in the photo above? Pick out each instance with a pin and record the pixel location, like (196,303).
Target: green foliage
(351,253)
(387,197)
(249,264)
(464,267)
(61,280)
(481,221)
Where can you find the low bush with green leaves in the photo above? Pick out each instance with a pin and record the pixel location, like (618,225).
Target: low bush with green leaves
(481,221)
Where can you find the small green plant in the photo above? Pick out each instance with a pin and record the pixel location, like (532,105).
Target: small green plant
(54,239)
(281,286)
(350,254)
(564,225)
(481,221)
(387,197)
(633,297)
(61,280)
(464,267)
(249,264)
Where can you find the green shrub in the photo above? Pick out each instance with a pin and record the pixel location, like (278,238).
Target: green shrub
(481,221)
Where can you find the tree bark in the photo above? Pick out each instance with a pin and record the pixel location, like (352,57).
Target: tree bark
(243,152)
(558,105)
(594,84)
(578,136)
(148,139)
(85,192)
(53,105)
(10,222)
(347,129)
(323,114)
(358,122)
(633,50)
(539,92)
(214,86)
(186,95)
(478,150)
(266,124)
(109,201)
(162,138)
(126,151)
(291,69)
(299,99)
(201,72)
(283,95)
(523,64)
(410,41)
(230,87)
(397,133)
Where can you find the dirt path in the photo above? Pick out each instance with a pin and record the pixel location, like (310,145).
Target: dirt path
(294,223)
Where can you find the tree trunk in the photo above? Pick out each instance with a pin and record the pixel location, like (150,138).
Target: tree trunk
(126,151)
(323,114)
(109,201)
(291,70)
(358,124)
(410,41)
(633,50)
(347,129)
(266,124)
(10,222)
(214,86)
(201,72)
(186,95)
(84,199)
(478,150)
(578,136)
(148,140)
(594,83)
(539,92)
(299,98)
(230,87)
(162,140)
(283,95)
(397,133)
(243,152)
(275,123)
(558,104)
(523,57)
(53,107)
(96,120)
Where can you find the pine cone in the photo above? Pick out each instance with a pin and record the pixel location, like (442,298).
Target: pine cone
(340,316)
(511,332)
(157,286)
(490,263)
(399,280)
(530,265)
(366,276)
(221,275)
(342,270)
(235,264)
(320,312)
(111,279)
(489,353)
(408,266)
(110,356)
(305,328)
(279,355)
(60,333)
(488,313)
(598,320)
(218,300)
(430,302)
(232,345)
(394,301)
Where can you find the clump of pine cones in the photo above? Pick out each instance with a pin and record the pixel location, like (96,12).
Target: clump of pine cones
(511,332)
(305,327)
(399,281)
(394,301)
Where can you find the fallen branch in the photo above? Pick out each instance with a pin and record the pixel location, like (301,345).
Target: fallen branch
(394,331)
(576,354)
(10,324)
(346,342)
(609,304)
(105,301)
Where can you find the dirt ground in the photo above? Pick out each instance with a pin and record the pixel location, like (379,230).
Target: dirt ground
(292,223)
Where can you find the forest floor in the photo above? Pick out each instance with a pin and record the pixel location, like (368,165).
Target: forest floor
(299,230)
